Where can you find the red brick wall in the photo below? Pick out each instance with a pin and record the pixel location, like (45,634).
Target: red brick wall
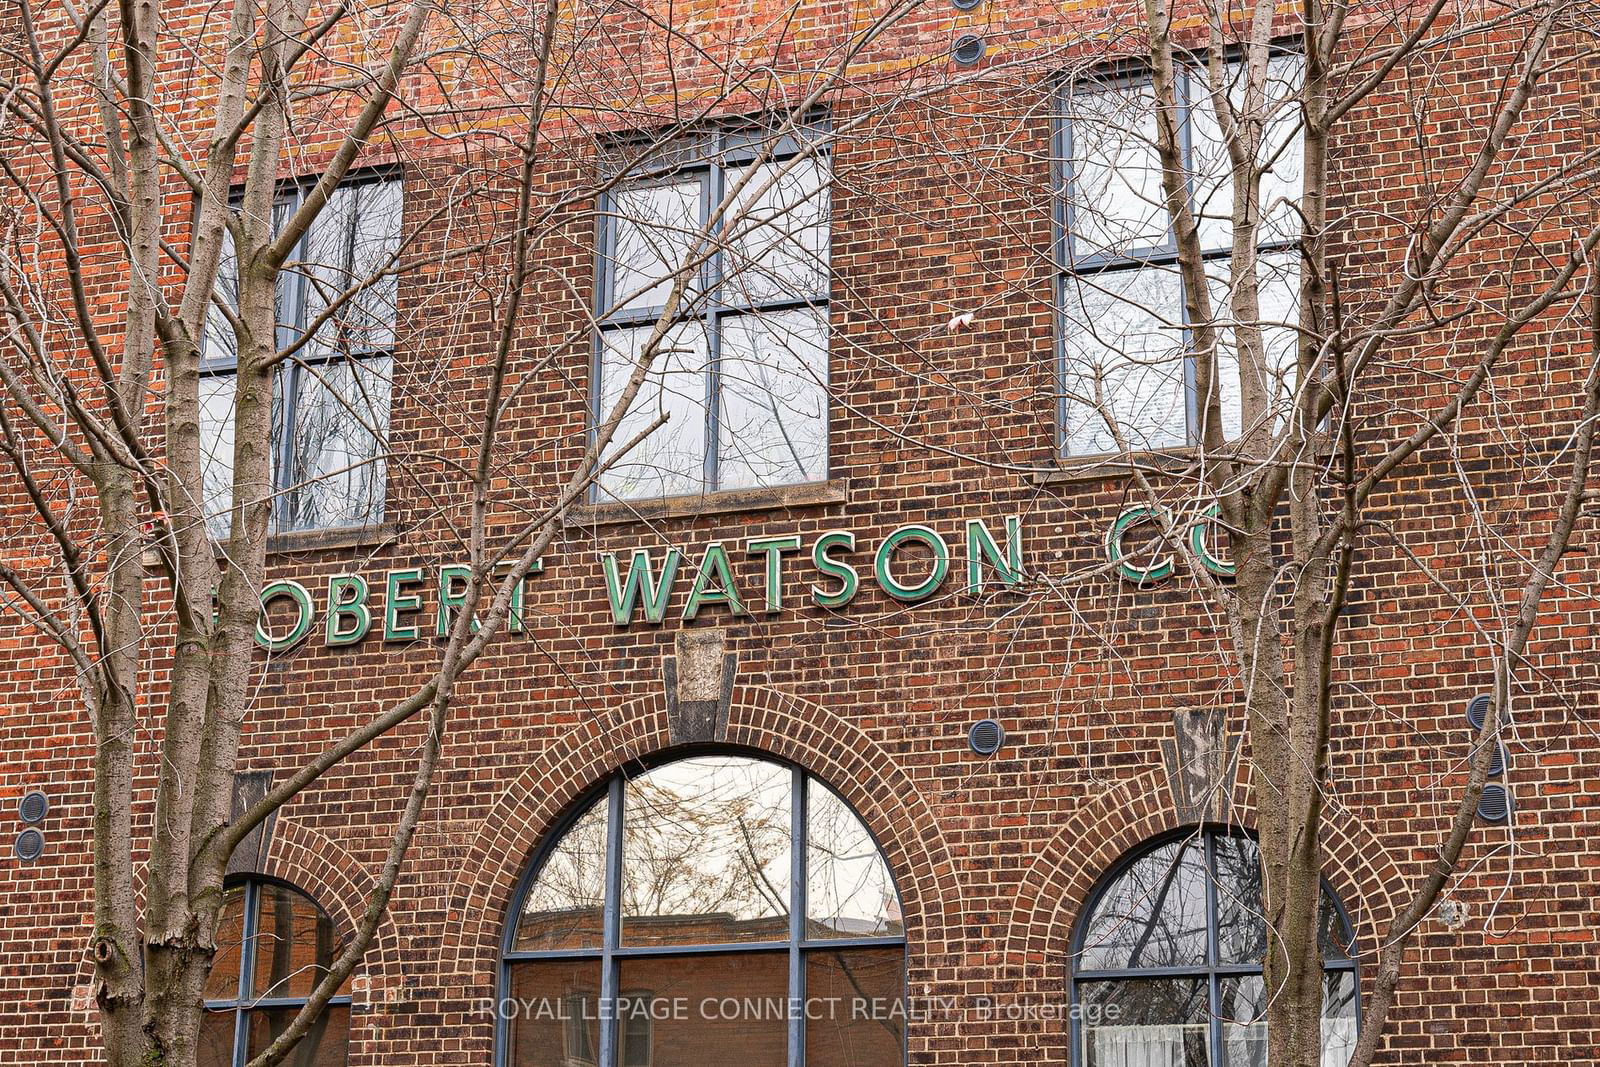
(940,207)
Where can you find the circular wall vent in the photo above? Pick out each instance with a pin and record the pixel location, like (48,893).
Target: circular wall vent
(1477,708)
(29,845)
(33,807)
(1497,761)
(965,5)
(969,48)
(986,737)
(1495,804)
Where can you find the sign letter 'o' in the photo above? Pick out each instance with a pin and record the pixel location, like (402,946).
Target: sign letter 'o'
(1159,569)
(930,584)
(303,619)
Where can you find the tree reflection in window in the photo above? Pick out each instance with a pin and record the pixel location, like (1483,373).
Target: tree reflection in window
(273,946)
(1167,964)
(747,898)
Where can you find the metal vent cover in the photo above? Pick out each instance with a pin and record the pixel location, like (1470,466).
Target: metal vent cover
(29,845)
(986,736)
(1478,708)
(33,807)
(1497,761)
(1495,804)
(965,5)
(969,48)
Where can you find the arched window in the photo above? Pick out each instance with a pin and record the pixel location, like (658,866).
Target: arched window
(1167,962)
(718,909)
(273,946)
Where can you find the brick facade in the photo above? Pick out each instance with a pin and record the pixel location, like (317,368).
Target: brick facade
(994,857)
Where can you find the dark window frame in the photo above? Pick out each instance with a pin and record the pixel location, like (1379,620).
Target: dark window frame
(292,286)
(1213,970)
(1066,265)
(612,952)
(707,156)
(245,1002)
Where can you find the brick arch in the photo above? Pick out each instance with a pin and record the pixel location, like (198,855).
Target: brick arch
(1051,896)
(786,727)
(318,866)
(324,870)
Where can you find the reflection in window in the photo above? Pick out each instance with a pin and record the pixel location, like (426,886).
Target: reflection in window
(1125,342)
(707,853)
(1167,971)
(330,421)
(273,946)
(742,377)
(680,920)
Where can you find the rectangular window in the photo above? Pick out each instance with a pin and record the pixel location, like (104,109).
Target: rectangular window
(1125,347)
(330,419)
(743,375)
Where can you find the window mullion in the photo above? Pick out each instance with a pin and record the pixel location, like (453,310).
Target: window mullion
(247,967)
(285,501)
(711,190)
(797,917)
(611,919)
(1213,952)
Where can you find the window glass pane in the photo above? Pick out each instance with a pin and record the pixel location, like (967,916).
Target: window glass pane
(1243,1010)
(1211,166)
(777,230)
(855,1007)
(653,230)
(1116,204)
(215,1044)
(1272,377)
(773,422)
(1158,1022)
(554,1016)
(671,461)
(325,1043)
(1334,935)
(564,905)
(217,342)
(324,264)
(341,423)
(216,450)
(368,321)
(223,982)
(1338,1017)
(849,891)
(727,1008)
(1153,915)
(1241,927)
(1283,150)
(293,943)
(705,853)
(1280,153)
(1124,357)
(351,240)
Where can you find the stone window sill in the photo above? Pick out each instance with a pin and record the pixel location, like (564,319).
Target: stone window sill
(1104,467)
(294,542)
(727,501)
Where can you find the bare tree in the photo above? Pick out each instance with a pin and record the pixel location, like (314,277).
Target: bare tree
(149,234)
(1255,365)
(1316,381)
